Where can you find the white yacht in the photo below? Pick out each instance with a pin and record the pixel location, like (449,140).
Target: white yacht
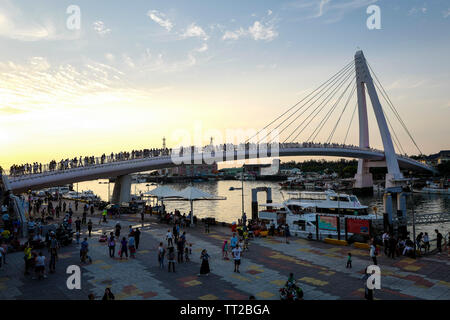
(300,212)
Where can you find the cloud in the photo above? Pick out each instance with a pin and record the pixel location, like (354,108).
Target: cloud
(260,32)
(37,84)
(234,35)
(321,7)
(446,13)
(128,61)
(203,48)
(195,31)
(332,11)
(257,31)
(16,25)
(110,57)
(99,27)
(415,10)
(269,12)
(159,18)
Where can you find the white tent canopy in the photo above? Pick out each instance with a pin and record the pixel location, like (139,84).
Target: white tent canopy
(162,192)
(192,194)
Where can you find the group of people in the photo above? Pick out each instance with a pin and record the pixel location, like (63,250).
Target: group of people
(126,244)
(174,238)
(76,162)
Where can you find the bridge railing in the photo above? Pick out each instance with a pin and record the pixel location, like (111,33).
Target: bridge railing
(93,162)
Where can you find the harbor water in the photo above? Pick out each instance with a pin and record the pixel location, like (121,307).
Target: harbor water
(230,210)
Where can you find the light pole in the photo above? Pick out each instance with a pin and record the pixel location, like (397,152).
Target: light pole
(242,192)
(413,217)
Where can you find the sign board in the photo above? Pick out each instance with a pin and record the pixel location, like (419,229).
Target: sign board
(358,226)
(328,223)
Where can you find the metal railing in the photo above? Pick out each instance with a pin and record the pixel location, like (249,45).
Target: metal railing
(64,166)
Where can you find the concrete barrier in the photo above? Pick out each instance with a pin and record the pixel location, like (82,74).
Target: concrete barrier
(336,242)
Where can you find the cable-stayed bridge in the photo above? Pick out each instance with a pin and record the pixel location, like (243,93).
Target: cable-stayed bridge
(319,116)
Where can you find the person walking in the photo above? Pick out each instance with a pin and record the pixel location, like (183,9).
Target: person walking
(392,246)
(236,252)
(426,242)
(40,266)
(373,253)
(104,213)
(180,250)
(131,246)
(89,225)
(287,233)
(368,293)
(349,260)
(438,241)
(27,258)
(137,237)
(111,245)
(204,269)
(124,248)
(161,255)
(169,238)
(385,238)
(78,225)
(171,258)
(84,251)
(118,227)
(54,245)
(225,250)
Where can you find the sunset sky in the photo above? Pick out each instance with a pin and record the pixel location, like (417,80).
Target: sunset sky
(139,70)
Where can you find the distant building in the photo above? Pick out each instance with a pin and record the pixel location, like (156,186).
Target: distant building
(263,169)
(290,171)
(437,158)
(190,170)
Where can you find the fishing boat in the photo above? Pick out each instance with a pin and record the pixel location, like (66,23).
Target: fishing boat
(300,212)
(434,188)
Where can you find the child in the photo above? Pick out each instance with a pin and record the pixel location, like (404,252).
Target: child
(349,260)
(245,241)
(225,250)
(186,254)
(77,235)
(190,248)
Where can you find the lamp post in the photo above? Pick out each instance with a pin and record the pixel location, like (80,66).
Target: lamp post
(242,190)
(413,217)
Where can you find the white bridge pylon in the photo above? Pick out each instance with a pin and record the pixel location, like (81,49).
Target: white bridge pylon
(363,177)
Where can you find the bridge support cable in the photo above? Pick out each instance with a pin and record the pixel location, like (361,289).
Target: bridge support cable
(337,86)
(340,116)
(394,110)
(351,120)
(395,139)
(311,93)
(319,128)
(334,84)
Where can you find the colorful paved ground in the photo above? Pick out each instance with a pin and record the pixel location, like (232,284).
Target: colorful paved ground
(319,268)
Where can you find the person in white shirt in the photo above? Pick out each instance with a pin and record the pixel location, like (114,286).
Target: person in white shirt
(236,252)
(40,266)
(169,238)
